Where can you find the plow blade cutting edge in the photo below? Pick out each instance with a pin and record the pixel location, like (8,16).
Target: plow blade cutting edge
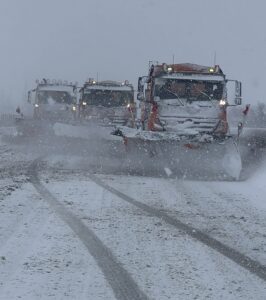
(217,159)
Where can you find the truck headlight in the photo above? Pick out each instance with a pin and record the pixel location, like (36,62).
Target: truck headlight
(222,102)
(74,108)
(36,105)
(84,103)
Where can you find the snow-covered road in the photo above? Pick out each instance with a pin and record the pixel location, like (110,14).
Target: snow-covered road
(68,231)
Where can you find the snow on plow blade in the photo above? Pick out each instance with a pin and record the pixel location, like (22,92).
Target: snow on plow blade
(87,132)
(184,155)
(33,127)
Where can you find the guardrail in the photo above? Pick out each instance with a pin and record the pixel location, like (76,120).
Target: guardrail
(7,116)
(8,119)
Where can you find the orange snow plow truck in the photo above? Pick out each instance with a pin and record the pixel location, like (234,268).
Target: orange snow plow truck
(183,123)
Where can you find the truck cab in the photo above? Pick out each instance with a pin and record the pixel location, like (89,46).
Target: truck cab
(186,96)
(54,100)
(107,102)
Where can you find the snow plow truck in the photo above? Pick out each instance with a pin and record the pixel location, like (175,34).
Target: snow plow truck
(54,100)
(107,103)
(51,101)
(183,123)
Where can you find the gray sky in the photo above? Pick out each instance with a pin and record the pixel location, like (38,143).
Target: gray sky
(75,39)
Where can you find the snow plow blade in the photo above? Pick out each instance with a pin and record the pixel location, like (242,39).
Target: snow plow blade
(188,155)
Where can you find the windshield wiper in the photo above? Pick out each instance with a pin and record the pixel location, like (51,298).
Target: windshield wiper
(177,96)
(209,97)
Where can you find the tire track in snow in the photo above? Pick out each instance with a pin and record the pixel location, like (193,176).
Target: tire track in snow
(242,260)
(121,282)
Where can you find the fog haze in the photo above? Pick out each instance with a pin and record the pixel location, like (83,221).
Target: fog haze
(116,39)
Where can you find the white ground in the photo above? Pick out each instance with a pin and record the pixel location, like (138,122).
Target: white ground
(41,257)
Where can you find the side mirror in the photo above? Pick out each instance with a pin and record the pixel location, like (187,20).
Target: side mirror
(141,82)
(140,85)
(238,92)
(140,96)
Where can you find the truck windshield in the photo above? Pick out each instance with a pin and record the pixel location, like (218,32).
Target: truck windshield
(193,90)
(50,97)
(108,98)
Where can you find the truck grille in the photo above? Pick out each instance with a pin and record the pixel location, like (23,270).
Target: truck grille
(202,124)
